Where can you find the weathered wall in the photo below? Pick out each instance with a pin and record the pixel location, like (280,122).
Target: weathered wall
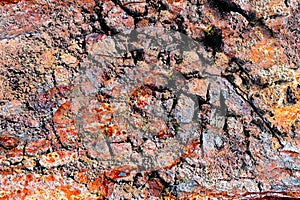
(254,45)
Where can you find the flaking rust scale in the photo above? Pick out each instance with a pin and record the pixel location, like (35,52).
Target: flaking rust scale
(136,99)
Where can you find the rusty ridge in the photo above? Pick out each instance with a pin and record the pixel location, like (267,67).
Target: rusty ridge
(271,195)
(14,1)
(9,1)
(132,1)
(127,2)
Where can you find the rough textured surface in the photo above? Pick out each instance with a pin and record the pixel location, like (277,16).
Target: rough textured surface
(251,153)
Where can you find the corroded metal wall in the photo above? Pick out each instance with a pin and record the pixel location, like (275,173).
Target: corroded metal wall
(169,99)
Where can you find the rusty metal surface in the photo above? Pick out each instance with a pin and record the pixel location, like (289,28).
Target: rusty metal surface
(149,99)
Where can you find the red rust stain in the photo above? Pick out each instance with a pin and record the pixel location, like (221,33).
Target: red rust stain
(25,192)
(65,124)
(189,150)
(141,95)
(207,194)
(161,134)
(111,130)
(8,142)
(9,1)
(61,112)
(15,152)
(118,172)
(49,98)
(29,177)
(5,172)
(21,193)
(5,197)
(4,181)
(290,153)
(37,146)
(273,195)
(50,178)
(156,187)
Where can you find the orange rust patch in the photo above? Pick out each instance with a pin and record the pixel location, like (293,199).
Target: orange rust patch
(65,125)
(48,98)
(9,1)
(29,177)
(117,171)
(111,130)
(37,146)
(50,178)
(69,191)
(47,58)
(8,142)
(100,186)
(286,115)
(267,53)
(81,177)
(59,116)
